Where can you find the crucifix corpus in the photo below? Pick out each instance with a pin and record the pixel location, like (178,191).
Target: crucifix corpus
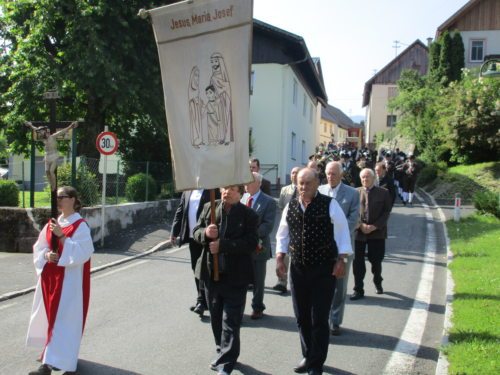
(48,132)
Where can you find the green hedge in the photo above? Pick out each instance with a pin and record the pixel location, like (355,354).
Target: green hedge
(9,193)
(487,202)
(135,190)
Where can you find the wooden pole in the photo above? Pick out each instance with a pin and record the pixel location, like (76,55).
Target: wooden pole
(212,221)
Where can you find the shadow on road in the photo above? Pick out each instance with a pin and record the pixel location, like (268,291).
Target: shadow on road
(398,301)
(92,368)
(351,337)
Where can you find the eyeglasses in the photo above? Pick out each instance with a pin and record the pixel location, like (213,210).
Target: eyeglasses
(59,197)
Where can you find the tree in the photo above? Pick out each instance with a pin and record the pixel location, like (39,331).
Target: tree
(103,60)
(445,66)
(457,56)
(475,120)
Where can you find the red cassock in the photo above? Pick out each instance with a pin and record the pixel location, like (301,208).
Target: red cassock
(62,294)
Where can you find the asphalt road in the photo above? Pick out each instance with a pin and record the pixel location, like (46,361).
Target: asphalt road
(139,322)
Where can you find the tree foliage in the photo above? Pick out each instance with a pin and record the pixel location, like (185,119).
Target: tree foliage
(102,59)
(456,124)
(446,58)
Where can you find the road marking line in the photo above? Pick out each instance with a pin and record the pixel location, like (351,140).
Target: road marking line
(3,307)
(132,265)
(123,268)
(404,355)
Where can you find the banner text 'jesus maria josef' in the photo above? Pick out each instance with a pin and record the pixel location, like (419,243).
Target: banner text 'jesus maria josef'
(204,49)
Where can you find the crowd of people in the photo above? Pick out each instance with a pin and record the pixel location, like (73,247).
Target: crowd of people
(334,213)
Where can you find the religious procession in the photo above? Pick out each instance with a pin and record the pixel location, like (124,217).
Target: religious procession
(231,220)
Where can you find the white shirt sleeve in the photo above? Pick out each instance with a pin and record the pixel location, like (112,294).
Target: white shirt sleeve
(40,248)
(282,235)
(340,228)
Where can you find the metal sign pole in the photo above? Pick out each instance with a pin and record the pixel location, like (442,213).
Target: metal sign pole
(103,199)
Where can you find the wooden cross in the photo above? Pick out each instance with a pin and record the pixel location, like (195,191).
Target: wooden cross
(54,126)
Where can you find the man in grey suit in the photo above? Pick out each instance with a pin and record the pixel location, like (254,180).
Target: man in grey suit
(287,193)
(348,199)
(265,207)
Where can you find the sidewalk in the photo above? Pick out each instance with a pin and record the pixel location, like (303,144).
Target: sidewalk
(17,274)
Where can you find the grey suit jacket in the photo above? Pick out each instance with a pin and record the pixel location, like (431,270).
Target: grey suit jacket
(286,195)
(265,207)
(348,199)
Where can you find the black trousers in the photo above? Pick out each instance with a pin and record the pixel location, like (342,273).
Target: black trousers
(226,304)
(312,290)
(376,252)
(195,250)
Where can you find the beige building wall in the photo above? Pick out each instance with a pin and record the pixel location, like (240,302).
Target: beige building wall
(377,111)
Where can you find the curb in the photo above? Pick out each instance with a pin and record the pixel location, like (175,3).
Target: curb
(442,363)
(160,246)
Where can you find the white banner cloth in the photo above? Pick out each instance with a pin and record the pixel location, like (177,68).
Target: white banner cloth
(205,55)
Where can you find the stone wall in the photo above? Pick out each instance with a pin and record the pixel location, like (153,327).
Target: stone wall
(19,227)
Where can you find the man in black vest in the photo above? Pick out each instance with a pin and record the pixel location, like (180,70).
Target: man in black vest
(315,231)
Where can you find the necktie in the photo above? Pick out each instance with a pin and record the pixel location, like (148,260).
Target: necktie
(249,202)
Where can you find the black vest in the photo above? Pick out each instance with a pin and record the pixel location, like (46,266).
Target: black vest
(311,233)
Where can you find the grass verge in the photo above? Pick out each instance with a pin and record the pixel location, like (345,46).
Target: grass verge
(475,336)
(466,180)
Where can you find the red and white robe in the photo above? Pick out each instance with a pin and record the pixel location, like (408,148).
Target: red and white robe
(62,294)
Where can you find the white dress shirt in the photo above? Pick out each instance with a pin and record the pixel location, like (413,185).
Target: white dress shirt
(340,233)
(329,191)
(194,203)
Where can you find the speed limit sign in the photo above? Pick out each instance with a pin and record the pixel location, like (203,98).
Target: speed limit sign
(107,143)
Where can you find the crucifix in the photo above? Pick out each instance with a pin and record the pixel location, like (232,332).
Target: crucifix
(48,133)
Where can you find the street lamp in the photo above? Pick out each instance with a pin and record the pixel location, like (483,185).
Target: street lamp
(490,68)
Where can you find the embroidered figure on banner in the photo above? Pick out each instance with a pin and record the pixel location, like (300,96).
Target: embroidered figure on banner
(215,113)
(195,105)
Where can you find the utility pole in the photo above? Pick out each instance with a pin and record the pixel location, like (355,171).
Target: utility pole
(396,46)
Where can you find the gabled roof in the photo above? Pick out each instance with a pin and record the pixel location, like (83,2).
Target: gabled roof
(274,45)
(336,116)
(397,64)
(457,15)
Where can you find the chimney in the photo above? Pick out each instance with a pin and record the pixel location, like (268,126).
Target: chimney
(429,41)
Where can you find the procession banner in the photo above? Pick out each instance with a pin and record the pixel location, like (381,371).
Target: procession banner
(205,55)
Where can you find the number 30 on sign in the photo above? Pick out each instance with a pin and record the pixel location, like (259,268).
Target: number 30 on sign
(107,143)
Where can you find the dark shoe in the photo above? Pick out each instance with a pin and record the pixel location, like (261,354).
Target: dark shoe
(301,368)
(379,288)
(70,373)
(257,315)
(191,308)
(213,366)
(250,287)
(199,309)
(280,288)
(314,372)
(335,331)
(42,370)
(357,295)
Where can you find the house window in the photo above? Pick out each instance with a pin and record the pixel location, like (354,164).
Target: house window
(295,91)
(391,121)
(304,107)
(477,50)
(294,146)
(310,113)
(392,92)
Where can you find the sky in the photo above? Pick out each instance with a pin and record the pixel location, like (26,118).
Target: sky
(355,38)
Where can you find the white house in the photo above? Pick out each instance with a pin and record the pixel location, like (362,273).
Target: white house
(478,22)
(285,105)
